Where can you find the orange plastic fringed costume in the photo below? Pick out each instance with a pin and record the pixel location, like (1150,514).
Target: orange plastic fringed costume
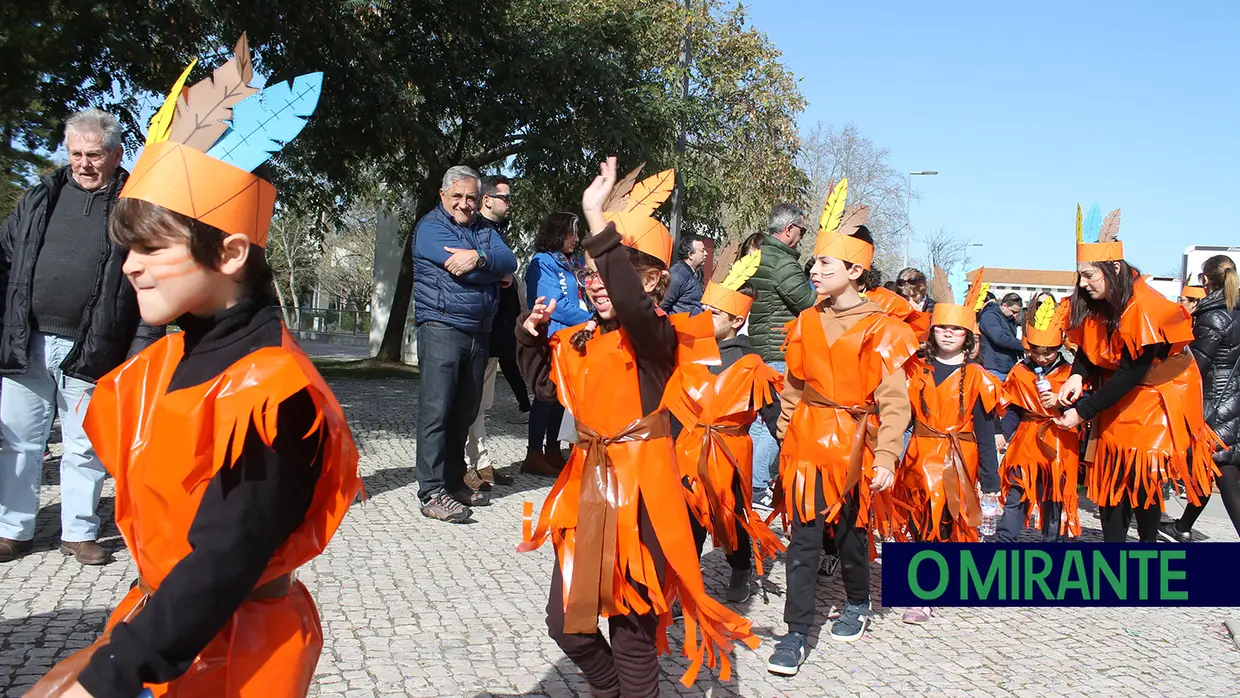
(939,474)
(1042,459)
(900,308)
(715,451)
(829,440)
(164,448)
(1157,432)
(621,461)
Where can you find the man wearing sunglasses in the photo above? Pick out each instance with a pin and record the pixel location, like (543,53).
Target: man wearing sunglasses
(911,284)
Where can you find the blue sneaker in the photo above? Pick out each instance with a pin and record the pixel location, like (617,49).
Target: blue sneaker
(789,653)
(852,623)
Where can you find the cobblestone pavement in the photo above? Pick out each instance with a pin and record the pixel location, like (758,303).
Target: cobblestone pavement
(420,608)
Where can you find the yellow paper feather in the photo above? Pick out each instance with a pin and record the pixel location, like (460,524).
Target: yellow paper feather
(742,270)
(162,121)
(833,209)
(1080,231)
(651,192)
(976,296)
(1045,314)
(981,297)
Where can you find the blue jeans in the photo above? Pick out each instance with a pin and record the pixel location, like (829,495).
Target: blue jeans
(451,367)
(765,447)
(28,404)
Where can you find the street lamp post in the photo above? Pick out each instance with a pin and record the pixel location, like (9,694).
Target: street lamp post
(908,205)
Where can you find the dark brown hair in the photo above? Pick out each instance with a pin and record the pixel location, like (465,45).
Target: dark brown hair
(642,263)
(554,230)
(1119,285)
(1220,273)
(138,223)
(930,350)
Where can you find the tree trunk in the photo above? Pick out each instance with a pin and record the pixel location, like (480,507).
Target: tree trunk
(394,333)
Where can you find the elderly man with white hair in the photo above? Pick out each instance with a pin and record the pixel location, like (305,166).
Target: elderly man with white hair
(69,317)
(459,264)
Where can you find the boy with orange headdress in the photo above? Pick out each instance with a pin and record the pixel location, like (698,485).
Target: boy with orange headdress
(845,407)
(617,516)
(233,462)
(715,406)
(1039,471)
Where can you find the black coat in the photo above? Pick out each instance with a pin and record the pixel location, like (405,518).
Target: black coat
(109,332)
(1216,346)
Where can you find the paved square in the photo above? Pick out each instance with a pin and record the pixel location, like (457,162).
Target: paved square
(421,608)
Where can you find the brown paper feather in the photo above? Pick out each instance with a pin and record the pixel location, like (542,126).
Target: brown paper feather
(1110,227)
(651,192)
(976,289)
(203,109)
(615,200)
(940,287)
(855,216)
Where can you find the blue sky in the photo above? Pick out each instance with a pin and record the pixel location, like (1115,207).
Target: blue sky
(1028,108)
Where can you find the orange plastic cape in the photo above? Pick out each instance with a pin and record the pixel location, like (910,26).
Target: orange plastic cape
(164,448)
(900,308)
(715,448)
(727,300)
(1148,437)
(939,475)
(1040,454)
(601,391)
(819,440)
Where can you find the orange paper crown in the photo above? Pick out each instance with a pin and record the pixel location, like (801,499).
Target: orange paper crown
(1193,292)
(837,225)
(629,206)
(1047,326)
(731,302)
(198,186)
(205,141)
(950,314)
(1103,237)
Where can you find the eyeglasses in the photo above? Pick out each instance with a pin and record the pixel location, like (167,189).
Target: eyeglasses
(908,282)
(504,197)
(948,329)
(585,277)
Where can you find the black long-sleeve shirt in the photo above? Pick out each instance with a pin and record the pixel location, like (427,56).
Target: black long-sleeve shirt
(1126,377)
(983,431)
(246,512)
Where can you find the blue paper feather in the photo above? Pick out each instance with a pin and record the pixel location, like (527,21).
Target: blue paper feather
(263,123)
(1092,226)
(960,286)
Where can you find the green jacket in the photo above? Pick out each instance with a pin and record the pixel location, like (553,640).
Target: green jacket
(783,292)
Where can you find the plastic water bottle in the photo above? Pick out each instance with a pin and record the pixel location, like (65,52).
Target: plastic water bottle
(990,515)
(1042,384)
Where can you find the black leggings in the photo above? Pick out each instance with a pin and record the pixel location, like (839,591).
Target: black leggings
(1115,521)
(1229,488)
(629,666)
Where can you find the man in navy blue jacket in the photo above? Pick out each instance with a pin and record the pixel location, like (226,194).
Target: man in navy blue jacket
(684,289)
(459,265)
(1001,348)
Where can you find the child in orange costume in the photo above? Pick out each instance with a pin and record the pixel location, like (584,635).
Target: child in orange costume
(1132,346)
(898,307)
(1040,467)
(845,407)
(953,445)
(233,462)
(716,405)
(617,514)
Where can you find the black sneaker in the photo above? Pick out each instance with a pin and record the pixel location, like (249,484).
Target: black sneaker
(1170,532)
(738,587)
(789,654)
(764,500)
(471,498)
(441,506)
(853,621)
(828,565)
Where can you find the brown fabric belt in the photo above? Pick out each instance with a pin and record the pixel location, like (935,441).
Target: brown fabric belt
(864,429)
(960,496)
(276,588)
(591,589)
(721,517)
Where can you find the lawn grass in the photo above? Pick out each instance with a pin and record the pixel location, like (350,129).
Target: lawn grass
(365,369)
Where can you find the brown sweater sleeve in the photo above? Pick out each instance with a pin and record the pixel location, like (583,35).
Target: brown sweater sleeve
(534,359)
(894,412)
(788,401)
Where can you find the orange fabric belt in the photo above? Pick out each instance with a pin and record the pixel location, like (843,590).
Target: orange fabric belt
(591,589)
(276,588)
(960,495)
(1044,424)
(713,435)
(859,414)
